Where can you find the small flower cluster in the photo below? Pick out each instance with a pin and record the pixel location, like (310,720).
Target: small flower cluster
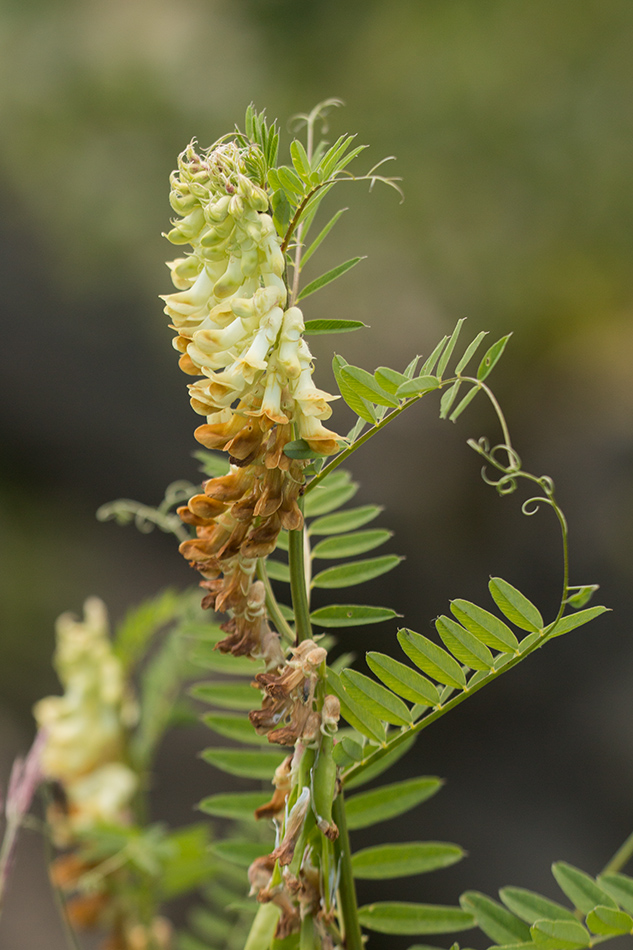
(85,728)
(83,753)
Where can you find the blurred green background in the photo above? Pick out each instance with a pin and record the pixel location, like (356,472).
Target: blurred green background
(512,125)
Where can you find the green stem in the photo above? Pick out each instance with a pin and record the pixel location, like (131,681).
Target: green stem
(347,888)
(272,606)
(298,588)
(621,857)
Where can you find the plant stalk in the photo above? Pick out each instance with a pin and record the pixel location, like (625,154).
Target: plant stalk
(621,857)
(347,888)
(298,587)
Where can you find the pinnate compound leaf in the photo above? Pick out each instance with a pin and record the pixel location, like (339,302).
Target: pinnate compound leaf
(608,922)
(345,520)
(350,615)
(366,386)
(496,921)
(226,695)
(450,346)
(247,763)
(559,935)
(485,626)
(389,379)
(580,888)
(320,327)
(379,701)
(432,659)
(356,572)
(366,773)
(620,887)
(403,680)
(328,277)
(492,357)
(565,624)
(531,907)
(238,805)
(515,606)
(402,860)
(355,714)
(470,351)
(416,386)
(394,917)
(357,404)
(463,645)
(348,545)
(380,804)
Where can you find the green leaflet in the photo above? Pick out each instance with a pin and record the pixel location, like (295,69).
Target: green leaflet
(608,922)
(213,464)
(278,570)
(492,356)
(348,545)
(227,695)
(429,365)
(531,907)
(365,774)
(242,853)
(402,860)
(366,386)
(466,401)
(389,379)
(380,804)
(485,626)
(463,645)
(247,763)
(403,918)
(239,805)
(431,659)
(319,327)
(307,254)
(515,606)
(580,888)
(416,386)
(495,921)
(356,572)
(450,346)
(565,624)
(204,655)
(403,680)
(378,701)
(189,864)
(559,935)
(234,727)
(356,715)
(327,497)
(620,887)
(328,277)
(350,615)
(345,520)
(470,351)
(161,683)
(357,404)
(300,160)
(448,398)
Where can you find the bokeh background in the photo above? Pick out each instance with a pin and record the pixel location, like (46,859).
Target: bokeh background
(512,126)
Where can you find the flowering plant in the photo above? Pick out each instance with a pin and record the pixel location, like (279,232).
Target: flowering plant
(273,503)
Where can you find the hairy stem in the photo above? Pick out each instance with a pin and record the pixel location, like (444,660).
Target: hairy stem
(272,606)
(298,587)
(347,888)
